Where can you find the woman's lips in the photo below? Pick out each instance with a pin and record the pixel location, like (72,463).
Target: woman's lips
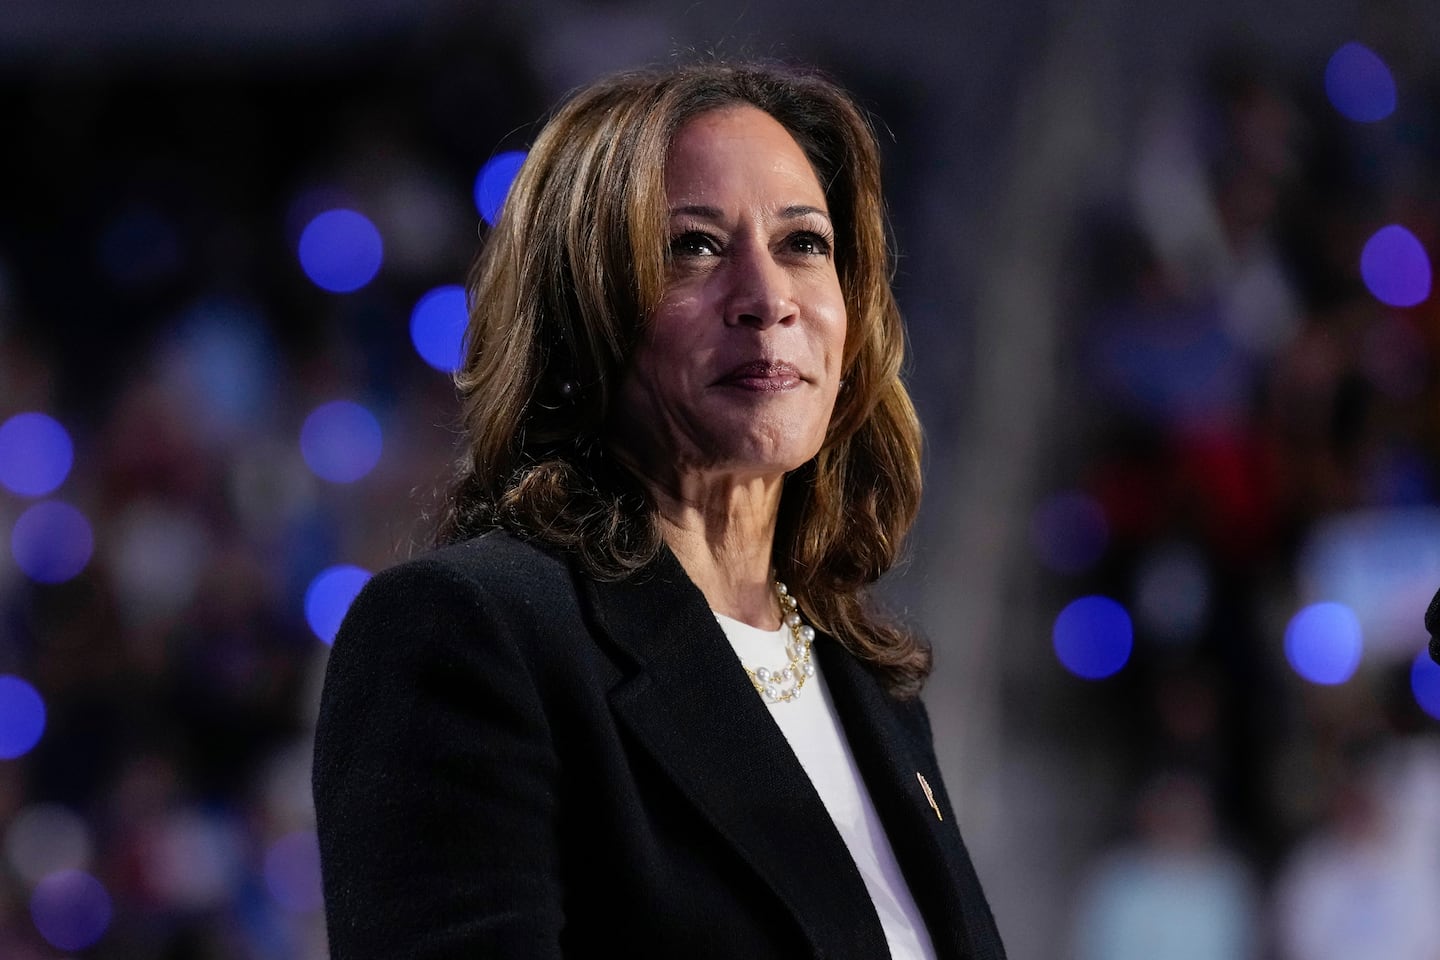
(762,375)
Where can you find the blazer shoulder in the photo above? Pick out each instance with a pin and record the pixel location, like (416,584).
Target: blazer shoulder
(469,598)
(497,564)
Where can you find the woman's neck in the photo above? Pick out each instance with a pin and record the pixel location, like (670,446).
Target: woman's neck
(723,534)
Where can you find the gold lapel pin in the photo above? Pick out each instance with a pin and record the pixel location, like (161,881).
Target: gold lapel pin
(924,785)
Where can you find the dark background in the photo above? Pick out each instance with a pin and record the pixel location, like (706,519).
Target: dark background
(1129,239)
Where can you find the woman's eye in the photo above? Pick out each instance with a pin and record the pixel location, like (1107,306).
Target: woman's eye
(809,242)
(693,243)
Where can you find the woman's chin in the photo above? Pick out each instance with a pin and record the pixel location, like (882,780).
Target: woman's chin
(757,456)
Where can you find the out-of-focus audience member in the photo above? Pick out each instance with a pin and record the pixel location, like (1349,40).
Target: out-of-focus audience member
(1365,885)
(1173,891)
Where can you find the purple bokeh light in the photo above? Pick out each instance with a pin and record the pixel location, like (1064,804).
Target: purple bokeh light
(1359,84)
(340,250)
(1323,643)
(22,717)
(36,454)
(329,596)
(292,872)
(1093,637)
(71,909)
(1425,683)
(341,441)
(437,327)
(1396,267)
(492,184)
(52,542)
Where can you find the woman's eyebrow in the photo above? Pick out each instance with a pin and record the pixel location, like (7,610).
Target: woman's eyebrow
(792,212)
(797,211)
(697,210)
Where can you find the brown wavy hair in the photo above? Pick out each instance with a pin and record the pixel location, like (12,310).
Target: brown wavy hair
(561,289)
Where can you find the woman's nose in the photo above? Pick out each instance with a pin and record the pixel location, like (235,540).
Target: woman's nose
(762,291)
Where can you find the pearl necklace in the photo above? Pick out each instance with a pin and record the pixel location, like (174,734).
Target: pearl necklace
(783,685)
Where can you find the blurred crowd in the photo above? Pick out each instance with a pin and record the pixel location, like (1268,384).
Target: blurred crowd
(1241,412)
(155,306)
(1258,431)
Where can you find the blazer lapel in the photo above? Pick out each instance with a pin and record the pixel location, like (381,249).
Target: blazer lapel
(891,745)
(695,711)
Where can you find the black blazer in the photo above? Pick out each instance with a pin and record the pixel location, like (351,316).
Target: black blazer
(514,760)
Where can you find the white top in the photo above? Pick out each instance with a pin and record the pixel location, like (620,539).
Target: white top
(810,724)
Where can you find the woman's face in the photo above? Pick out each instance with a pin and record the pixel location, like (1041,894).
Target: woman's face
(737,371)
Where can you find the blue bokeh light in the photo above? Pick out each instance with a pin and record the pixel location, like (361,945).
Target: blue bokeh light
(1323,643)
(1396,267)
(1068,532)
(292,872)
(51,542)
(437,327)
(22,717)
(340,250)
(329,596)
(341,441)
(1359,84)
(71,909)
(1425,683)
(36,454)
(1093,637)
(492,184)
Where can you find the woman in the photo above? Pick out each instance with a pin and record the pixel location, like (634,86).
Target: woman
(595,723)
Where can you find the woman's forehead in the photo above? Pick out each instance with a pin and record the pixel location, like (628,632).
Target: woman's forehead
(739,151)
